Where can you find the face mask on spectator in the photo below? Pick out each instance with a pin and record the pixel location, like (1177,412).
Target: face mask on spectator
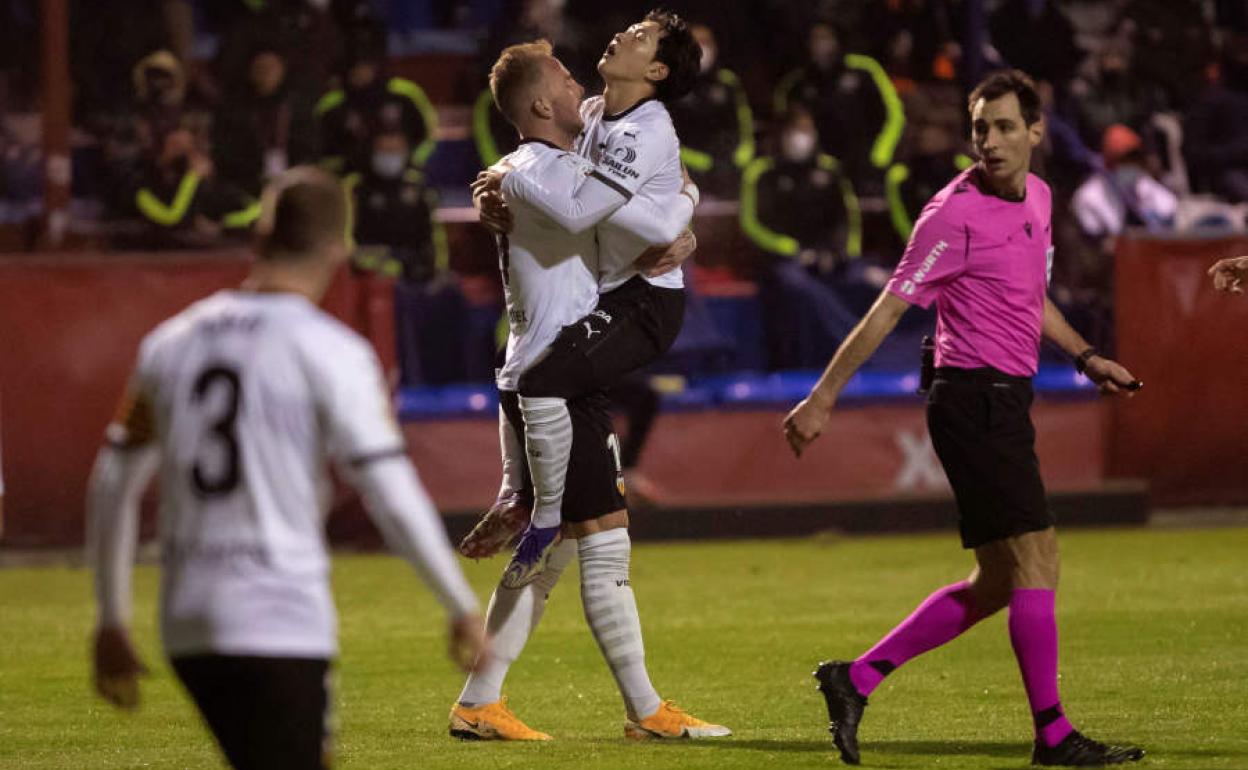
(797,146)
(1128,176)
(389,165)
(823,52)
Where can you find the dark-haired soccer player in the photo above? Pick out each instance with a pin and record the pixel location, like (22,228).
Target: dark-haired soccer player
(236,401)
(629,137)
(550,277)
(982,251)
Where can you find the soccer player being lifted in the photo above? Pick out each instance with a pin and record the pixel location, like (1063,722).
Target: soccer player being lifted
(551,261)
(982,251)
(629,139)
(236,402)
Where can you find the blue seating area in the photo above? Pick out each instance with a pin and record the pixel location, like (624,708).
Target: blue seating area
(742,390)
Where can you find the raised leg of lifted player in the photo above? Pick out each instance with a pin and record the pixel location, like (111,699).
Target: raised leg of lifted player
(631,327)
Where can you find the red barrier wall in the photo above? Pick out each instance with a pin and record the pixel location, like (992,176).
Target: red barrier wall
(739,458)
(70,328)
(1185,430)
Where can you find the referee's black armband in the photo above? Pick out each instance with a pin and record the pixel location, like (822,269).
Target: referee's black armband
(1081,360)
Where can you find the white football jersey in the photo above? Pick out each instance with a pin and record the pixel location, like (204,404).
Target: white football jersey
(638,150)
(247,393)
(550,275)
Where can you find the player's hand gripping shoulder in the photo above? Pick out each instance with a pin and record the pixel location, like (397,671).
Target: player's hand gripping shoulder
(1228,274)
(807,420)
(487,199)
(659,260)
(468,645)
(117,668)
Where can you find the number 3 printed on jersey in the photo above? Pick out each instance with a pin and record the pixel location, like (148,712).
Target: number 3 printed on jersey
(221,432)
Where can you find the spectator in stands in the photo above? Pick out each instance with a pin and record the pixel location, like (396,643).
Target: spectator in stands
(855,106)
(19,55)
(308,31)
(265,127)
(917,40)
(1036,37)
(21,178)
(394,214)
(1109,95)
(397,236)
(1216,137)
(1178,43)
(715,123)
(1124,193)
(161,105)
(107,37)
(797,204)
(933,153)
(372,102)
(133,137)
(184,203)
(799,209)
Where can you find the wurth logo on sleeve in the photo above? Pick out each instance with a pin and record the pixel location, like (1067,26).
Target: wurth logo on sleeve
(908,287)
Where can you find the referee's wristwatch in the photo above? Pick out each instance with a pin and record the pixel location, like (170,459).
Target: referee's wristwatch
(1081,360)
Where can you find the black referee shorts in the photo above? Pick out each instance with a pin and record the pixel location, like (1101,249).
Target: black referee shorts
(980,424)
(594,485)
(629,328)
(265,712)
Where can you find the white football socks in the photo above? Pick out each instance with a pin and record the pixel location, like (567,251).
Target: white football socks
(513,457)
(548,443)
(510,620)
(611,611)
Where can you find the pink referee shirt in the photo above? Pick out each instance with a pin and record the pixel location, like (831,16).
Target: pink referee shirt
(985,262)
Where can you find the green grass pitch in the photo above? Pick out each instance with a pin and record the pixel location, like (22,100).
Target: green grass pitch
(1154,635)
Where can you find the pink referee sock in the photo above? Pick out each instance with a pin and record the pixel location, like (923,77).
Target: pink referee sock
(1033,633)
(939,619)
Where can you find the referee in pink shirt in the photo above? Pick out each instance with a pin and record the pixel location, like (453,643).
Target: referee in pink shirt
(982,250)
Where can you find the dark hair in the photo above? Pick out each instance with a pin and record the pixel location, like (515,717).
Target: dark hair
(679,50)
(1015,82)
(518,68)
(306,209)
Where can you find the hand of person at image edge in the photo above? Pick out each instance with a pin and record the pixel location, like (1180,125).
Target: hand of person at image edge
(117,668)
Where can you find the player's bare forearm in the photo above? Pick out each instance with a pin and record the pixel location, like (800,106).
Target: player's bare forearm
(861,343)
(1059,331)
(807,420)
(1109,375)
(658,260)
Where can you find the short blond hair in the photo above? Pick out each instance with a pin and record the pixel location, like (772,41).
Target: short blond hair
(518,69)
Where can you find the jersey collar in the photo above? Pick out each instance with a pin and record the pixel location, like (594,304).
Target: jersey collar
(629,111)
(549,144)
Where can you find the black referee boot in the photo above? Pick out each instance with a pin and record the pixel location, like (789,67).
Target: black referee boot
(1078,750)
(845,707)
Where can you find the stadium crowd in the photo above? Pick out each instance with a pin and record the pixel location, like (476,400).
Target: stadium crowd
(816,132)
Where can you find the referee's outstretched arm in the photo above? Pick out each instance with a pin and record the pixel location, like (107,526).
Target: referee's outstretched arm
(1111,376)
(804,424)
